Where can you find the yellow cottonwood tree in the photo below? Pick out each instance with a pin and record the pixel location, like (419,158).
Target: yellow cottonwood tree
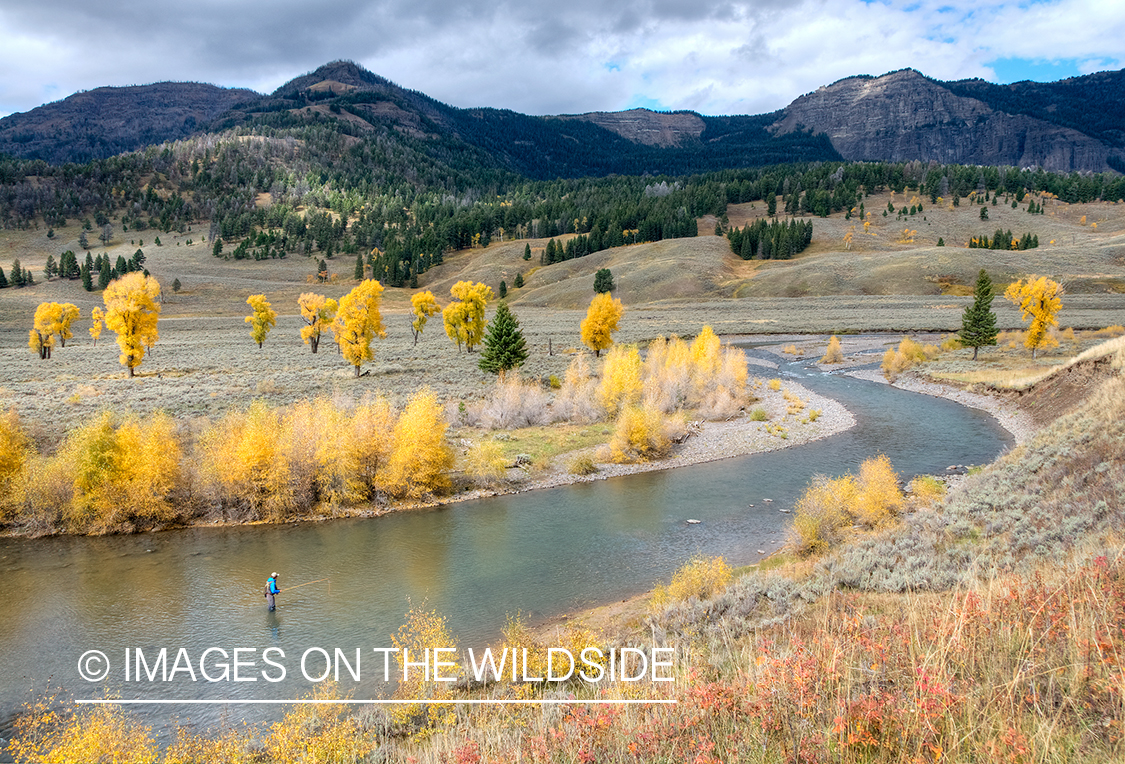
(318,312)
(97,316)
(421,457)
(601,321)
(358,321)
(1040,299)
(68,315)
(464,318)
(261,319)
(423,305)
(47,323)
(132,312)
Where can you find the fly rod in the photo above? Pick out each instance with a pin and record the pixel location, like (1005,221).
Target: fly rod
(307,583)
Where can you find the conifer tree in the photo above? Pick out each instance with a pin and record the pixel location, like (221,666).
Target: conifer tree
(105,273)
(359,273)
(503,291)
(526,251)
(504,345)
(3,280)
(519,281)
(603,281)
(978,322)
(87,278)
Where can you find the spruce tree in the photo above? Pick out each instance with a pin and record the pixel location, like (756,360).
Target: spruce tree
(526,251)
(519,281)
(359,268)
(503,289)
(603,281)
(87,278)
(105,273)
(504,345)
(3,280)
(978,323)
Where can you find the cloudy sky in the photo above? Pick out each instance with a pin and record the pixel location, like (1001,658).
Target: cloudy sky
(552,56)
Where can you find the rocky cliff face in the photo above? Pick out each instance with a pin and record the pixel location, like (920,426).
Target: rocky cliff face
(905,116)
(647,127)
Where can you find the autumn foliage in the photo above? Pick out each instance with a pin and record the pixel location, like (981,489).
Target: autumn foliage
(1040,300)
(464,318)
(422,306)
(132,311)
(601,321)
(262,317)
(317,312)
(358,321)
(829,508)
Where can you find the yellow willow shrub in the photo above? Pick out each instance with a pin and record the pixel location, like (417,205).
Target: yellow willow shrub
(123,472)
(518,637)
(578,400)
(834,354)
(821,516)
(878,499)
(909,352)
(101,734)
(14,454)
(421,457)
(424,630)
(229,748)
(336,454)
(246,456)
(319,733)
(640,434)
(701,577)
(705,355)
(621,378)
(485,463)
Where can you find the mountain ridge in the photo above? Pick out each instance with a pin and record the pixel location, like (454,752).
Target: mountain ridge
(1069,125)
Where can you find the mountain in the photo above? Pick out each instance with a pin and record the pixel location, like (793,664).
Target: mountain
(1074,124)
(904,116)
(100,123)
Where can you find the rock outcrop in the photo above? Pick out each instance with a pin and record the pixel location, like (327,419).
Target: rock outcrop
(905,116)
(650,128)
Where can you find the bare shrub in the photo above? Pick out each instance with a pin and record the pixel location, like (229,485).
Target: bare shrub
(513,404)
(577,400)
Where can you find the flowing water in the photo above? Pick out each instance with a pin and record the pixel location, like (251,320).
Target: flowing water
(541,553)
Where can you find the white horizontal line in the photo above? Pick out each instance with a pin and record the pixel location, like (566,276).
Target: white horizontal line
(317,702)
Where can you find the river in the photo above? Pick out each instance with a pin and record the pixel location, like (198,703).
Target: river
(541,553)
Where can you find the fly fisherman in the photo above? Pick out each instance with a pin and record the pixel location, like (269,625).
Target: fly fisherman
(271,591)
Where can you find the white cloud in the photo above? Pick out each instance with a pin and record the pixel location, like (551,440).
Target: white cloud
(543,56)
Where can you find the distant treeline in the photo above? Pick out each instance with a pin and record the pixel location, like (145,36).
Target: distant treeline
(401,202)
